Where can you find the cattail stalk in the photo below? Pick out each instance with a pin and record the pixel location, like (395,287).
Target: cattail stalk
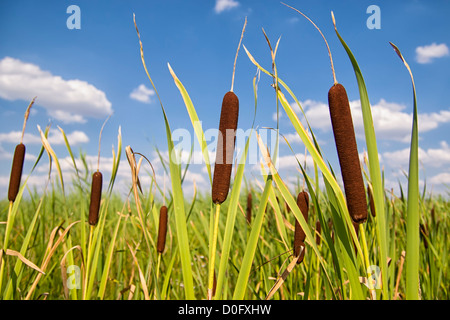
(345,140)
(96,187)
(18,160)
(14,185)
(229,115)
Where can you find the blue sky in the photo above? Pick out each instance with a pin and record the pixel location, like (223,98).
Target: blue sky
(80,76)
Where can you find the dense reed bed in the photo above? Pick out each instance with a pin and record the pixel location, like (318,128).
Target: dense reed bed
(301,242)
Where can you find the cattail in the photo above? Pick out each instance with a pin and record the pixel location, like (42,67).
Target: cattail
(97,184)
(162,231)
(299,233)
(16,171)
(433,215)
(214,285)
(344,135)
(96,196)
(371,203)
(318,230)
(18,159)
(249,208)
(225,147)
(424,234)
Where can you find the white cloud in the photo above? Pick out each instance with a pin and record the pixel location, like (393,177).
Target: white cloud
(440,178)
(70,101)
(274,116)
(433,157)
(55,137)
(223,5)
(142,94)
(426,54)
(390,120)
(291,138)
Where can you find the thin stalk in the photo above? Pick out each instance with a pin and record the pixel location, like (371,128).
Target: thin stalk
(366,258)
(88,263)
(5,243)
(213,252)
(237,51)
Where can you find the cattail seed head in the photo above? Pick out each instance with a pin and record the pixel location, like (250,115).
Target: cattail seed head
(318,230)
(371,202)
(299,233)
(344,134)
(424,234)
(433,215)
(96,197)
(249,208)
(225,147)
(16,172)
(162,231)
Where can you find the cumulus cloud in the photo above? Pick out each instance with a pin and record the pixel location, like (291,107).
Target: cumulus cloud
(70,101)
(223,5)
(426,54)
(440,178)
(390,120)
(432,157)
(142,94)
(55,137)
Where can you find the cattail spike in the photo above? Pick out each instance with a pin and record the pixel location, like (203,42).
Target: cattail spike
(96,196)
(162,231)
(225,147)
(299,233)
(16,172)
(371,202)
(344,134)
(318,230)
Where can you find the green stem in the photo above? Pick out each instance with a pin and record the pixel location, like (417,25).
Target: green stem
(88,263)
(5,243)
(213,252)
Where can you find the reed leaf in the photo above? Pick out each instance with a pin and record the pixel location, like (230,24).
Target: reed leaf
(412,213)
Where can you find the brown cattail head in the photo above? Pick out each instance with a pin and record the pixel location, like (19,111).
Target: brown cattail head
(318,230)
(344,135)
(299,234)
(371,202)
(249,208)
(214,284)
(433,215)
(225,147)
(96,197)
(16,172)
(162,231)
(424,234)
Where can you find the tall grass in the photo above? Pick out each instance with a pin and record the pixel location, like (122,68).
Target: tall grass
(50,251)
